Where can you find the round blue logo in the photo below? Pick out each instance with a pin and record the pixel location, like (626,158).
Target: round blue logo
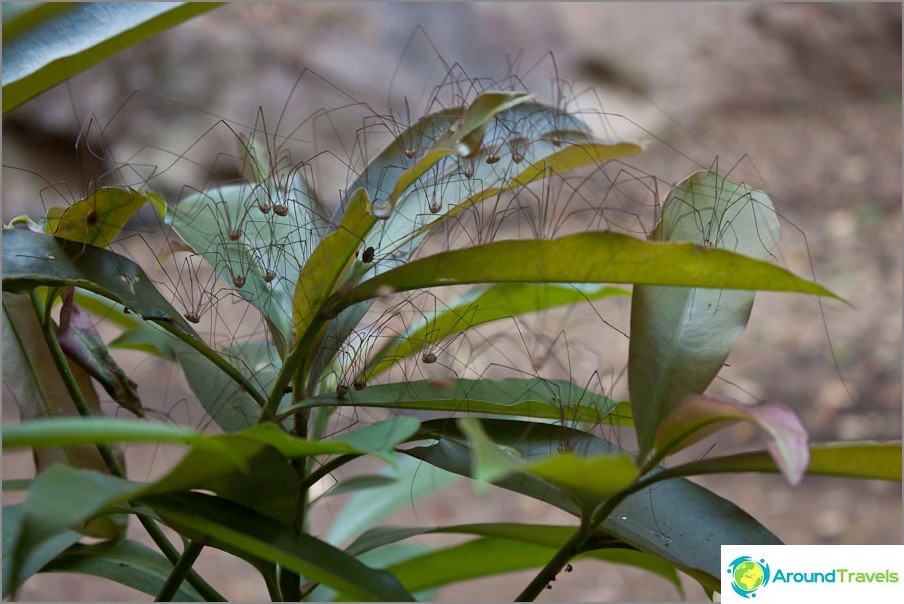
(748,575)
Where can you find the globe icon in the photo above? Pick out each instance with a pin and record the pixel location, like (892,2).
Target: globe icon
(748,575)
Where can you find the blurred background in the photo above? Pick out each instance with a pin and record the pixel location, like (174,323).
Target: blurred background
(804,98)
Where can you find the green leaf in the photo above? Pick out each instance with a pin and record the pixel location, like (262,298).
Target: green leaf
(127,562)
(548,134)
(328,262)
(99,218)
(80,341)
(256,252)
(412,480)
(536,537)
(680,337)
(533,397)
(37,57)
(870,460)
(255,163)
(32,259)
(361,483)
(480,305)
(36,557)
(676,520)
(458,139)
(697,416)
(592,257)
(379,438)
(60,498)
(228,402)
(589,481)
(245,533)
(74,431)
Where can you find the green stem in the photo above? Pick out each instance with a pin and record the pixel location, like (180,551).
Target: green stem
(549,572)
(179,572)
(113,465)
(330,466)
(65,371)
(290,582)
(573,546)
(172,554)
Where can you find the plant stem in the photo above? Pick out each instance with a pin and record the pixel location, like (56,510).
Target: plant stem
(549,572)
(573,546)
(179,572)
(113,465)
(194,579)
(326,468)
(290,582)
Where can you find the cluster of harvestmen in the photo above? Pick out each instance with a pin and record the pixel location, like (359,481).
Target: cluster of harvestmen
(615,196)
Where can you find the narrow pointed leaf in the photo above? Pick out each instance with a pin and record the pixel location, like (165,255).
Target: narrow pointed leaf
(601,547)
(593,257)
(533,397)
(35,557)
(328,262)
(680,337)
(128,563)
(676,520)
(480,305)
(868,460)
(36,57)
(32,259)
(245,533)
(697,416)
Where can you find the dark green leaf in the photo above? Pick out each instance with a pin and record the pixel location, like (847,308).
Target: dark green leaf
(533,397)
(127,562)
(35,557)
(549,538)
(38,57)
(32,259)
(680,337)
(676,520)
(587,480)
(245,533)
(60,498)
